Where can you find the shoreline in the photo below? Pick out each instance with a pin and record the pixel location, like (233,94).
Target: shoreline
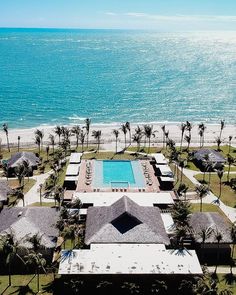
(211,132)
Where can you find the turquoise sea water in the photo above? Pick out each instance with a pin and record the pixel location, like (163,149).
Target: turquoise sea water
(62,76)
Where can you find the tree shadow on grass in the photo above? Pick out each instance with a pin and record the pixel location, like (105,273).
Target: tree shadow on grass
(22,290)
(230,278)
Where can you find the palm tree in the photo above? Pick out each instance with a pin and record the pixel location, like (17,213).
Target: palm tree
(52,142)
(116,133)
(204,234)
(76,131)
(19,195)
(87,127)
(137,138)
(201,191)
(148,131)
(205,165)
(218,237)
(222,126)
(182,128)
(230,139)
(201,128)
(38,142)
(19,171)
(97,135)
(220,173)
(181,165)
(180,213)
(189,127)
(37,261)
(133,288)
(159,287)
(233,237)
(209,169)
(36,241)
(182,190)
(230,161)
(82,138)
(163,128)
(127,125)
(188,139)
(10,247)
(5,129)
(58,132)
(218,142)
(124,130)
(18,143)
(27,168)
(40,134)
(166,137)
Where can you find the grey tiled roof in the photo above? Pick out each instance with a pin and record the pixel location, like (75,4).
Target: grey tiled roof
(28,221)
(19,157)
(125,222)
(214,156)
(203,220)
(4,190)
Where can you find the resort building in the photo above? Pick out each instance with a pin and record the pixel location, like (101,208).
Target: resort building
(214,225)
(72,172)
(126,238)
(5,190)
(215,158)
(19,158)
(25,222)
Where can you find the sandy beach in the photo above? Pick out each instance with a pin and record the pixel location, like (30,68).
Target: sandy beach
(211,132)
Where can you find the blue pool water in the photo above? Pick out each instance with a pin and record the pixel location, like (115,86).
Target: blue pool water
(118,174)
(118,171)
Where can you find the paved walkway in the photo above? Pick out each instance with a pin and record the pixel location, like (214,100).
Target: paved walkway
(33,196)
(222,269)
(210,197)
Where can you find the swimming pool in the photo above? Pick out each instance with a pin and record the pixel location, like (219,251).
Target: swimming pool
(118,174)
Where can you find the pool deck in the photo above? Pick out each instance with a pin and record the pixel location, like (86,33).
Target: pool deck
(85,183)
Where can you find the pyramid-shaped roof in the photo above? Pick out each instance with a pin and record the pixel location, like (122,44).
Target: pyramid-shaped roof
(125,222)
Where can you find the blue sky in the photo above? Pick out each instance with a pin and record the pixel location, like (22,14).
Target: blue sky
(130,14)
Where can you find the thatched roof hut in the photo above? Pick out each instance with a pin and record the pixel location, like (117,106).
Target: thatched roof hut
(213,220)
(125,222)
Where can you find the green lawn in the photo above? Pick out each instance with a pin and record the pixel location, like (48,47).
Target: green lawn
(111,156)
(206,208)
(228,195)
(185,180)
(14,183)
(44,204)
(20,281)
(224,282)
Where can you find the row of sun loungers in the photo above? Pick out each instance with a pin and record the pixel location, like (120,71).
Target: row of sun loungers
(88,173)
(147,173)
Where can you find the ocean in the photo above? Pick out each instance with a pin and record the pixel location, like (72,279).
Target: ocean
(50,76)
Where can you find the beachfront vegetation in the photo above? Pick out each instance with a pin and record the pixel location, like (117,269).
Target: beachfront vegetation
(221,188)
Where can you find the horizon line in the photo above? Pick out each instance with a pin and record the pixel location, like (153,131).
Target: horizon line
(116,29)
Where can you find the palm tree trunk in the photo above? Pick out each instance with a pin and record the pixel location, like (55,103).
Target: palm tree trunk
(9,274)
(232,259)
(8,146)
(87,139)
(209,180)
(38,280)
(181,141)
(228,173)
(149,143)
(200,204)
(82,147)
(125,140)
